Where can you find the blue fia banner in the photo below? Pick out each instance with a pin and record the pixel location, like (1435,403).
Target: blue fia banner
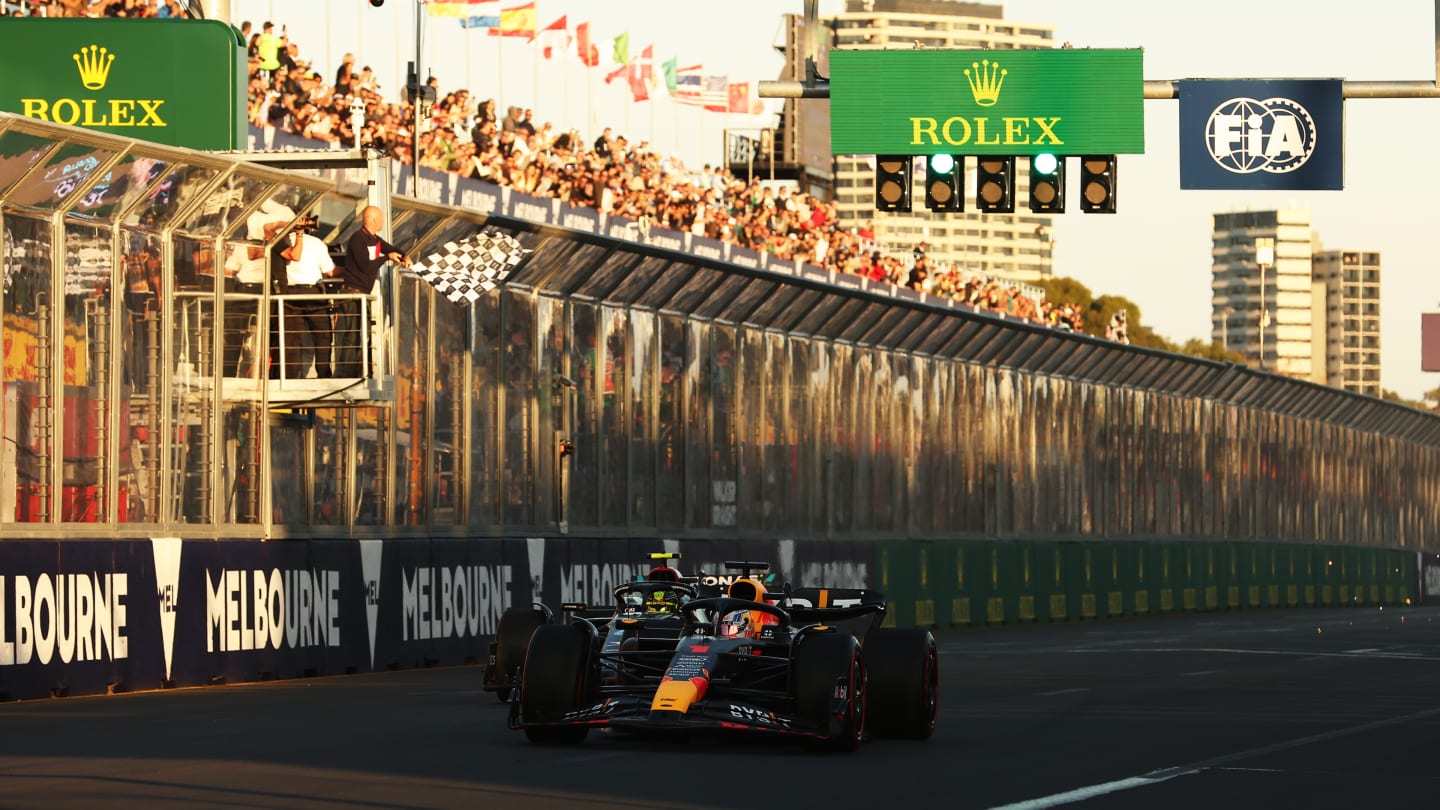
(1262,134)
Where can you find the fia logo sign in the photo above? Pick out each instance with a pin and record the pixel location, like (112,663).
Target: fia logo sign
(1246,135)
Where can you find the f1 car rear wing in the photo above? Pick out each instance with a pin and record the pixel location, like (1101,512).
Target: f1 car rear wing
(835,605)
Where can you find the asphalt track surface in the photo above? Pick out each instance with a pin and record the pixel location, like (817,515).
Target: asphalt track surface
(1314,709)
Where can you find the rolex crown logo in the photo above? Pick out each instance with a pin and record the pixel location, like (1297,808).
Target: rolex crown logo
(985,82)
(94,64)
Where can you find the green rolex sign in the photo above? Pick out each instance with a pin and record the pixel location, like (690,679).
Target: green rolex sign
(995,102)
(176,82)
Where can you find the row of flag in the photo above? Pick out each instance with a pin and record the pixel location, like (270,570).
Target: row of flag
(686,85)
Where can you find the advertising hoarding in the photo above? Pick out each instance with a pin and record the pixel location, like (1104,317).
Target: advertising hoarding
(974,102)
(176,82)
(1262,134)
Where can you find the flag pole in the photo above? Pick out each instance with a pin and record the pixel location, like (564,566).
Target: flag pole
(415,104)
(399,49)
(430,57)
(725,138)
(329,46)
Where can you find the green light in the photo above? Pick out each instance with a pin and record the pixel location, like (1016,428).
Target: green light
(942,164)
(1046,163)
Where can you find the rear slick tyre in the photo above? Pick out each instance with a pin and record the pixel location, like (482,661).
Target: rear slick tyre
(512,639)
(904,668)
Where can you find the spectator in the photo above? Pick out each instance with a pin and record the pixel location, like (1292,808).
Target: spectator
(347,67)
(512,117)
(1116,330)
(268,48)
(289,55)
(484,137)
(367,81)
(485,113)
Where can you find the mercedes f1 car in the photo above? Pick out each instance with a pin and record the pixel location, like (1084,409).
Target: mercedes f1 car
(811,664)
(654,601)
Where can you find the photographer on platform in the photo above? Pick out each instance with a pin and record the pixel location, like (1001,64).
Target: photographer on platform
(306,260)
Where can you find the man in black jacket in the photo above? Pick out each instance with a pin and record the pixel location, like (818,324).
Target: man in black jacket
(365,253)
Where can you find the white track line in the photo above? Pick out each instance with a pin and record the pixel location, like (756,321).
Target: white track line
(1164,774)
(1309,655)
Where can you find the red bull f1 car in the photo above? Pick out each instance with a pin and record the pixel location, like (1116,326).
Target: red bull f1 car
(810,664)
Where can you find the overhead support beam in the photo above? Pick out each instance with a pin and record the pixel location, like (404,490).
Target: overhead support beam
(1162,89)
(788,88)
(318,159)
(815,87)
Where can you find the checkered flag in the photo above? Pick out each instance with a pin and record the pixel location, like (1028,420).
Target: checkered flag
(465,270)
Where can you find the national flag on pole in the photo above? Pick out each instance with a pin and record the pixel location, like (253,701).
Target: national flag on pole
(647,65)
(739,98)
(553,37)
(466,269)
(668,68)
(589,54)
(518,21)
(481,22)
(642,73)
(638,90)
(463,8)
(687,86)
(621,53)
(714,93)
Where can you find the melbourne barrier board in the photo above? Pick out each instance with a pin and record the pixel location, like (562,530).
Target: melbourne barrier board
(91,617)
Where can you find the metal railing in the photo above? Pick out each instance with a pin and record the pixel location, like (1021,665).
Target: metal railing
(257,337)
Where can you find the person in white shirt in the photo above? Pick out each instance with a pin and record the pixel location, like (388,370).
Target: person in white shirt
(307,316)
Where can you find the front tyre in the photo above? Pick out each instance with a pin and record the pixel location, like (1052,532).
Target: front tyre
(829,683)
(555,681)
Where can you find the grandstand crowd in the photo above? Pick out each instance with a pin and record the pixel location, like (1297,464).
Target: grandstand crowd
(469,137)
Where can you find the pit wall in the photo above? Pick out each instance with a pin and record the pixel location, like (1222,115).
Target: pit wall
(90,617)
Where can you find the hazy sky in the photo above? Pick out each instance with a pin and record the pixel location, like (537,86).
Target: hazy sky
(1155,251)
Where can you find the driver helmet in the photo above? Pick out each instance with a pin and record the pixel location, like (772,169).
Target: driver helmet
(660,602)
(745,623)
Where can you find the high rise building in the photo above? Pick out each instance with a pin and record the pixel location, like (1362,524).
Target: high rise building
(1014,246)
(1349,281)
(1260,290)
